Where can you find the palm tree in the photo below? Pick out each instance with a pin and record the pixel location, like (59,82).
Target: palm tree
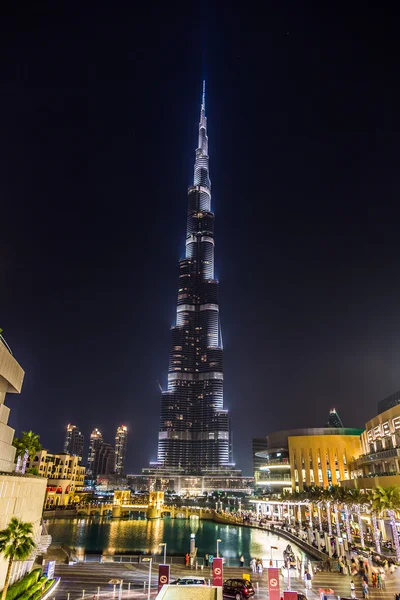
(387,500)
(357,499)
(338,496)
(27,446)
(327,496)
(16,543)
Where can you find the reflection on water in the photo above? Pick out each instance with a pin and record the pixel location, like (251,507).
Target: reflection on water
(115,536)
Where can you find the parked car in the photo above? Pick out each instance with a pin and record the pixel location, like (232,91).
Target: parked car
(189,581)
(238,589)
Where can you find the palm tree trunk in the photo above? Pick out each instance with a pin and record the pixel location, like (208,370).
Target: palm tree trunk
(395,534)
(7,581)
(337,520)
(360,525)
(311,509)
(328,514)
(346,512)
(376,533)
(26,455)
(320,519)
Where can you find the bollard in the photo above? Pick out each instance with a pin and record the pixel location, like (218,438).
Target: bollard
(257,587)
(209,582)
(129,589)
(144,586)
(83,594)
(98,593)
(114,590)
(68,596)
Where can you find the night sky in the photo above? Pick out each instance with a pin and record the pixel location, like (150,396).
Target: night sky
(99,107)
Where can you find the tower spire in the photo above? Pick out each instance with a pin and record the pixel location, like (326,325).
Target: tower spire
(203,99)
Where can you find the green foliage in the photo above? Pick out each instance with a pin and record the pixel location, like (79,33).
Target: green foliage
(16,542)
(18,588)
(33,471)
(385,499)
(29,441)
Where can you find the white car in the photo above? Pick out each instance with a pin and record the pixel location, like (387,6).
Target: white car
(189,581)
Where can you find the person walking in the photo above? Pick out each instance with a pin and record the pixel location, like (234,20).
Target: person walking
(186,559)
(365,589)
(307,579)
(374,579)
(379,580)
(352,589)
(206,557)
(253,565)
(241,559)
(383,578)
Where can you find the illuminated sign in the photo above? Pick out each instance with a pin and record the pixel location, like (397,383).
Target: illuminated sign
(383,429)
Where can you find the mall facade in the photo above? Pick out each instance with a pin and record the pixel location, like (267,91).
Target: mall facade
(298,458)
(379,461)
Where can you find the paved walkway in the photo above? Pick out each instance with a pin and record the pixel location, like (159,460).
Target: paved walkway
(91,576)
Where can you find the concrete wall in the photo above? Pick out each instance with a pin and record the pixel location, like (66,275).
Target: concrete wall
(21,497)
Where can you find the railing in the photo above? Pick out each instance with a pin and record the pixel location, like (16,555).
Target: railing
(379,455)
(274,477)
(284,462)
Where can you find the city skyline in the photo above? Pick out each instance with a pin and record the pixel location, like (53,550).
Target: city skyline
(96,150)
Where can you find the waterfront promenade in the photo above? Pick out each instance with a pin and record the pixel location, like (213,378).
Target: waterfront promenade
(91,576)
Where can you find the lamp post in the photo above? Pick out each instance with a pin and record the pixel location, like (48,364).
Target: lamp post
(273,548)
(218,541)
(165,551)
(149,560)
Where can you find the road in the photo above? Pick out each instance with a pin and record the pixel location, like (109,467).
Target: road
(91,576)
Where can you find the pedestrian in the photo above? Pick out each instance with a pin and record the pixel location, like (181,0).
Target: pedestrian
(392,568)
(253,565)
(374,579)
(186,559)
(352,589)
(365,589)
(307,579)
(206,557)
(379,580)
(383,577)
(365,578)
(241,559)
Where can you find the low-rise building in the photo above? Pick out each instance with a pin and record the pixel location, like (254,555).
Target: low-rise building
(65,477)
(21,496)
(379,461)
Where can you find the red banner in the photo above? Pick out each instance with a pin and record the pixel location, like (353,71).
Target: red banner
(273,584)
(218,572)
(289,595)
(163,576)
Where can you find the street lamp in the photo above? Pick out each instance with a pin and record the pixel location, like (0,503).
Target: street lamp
(273,548)
(165,551)
(218,541)
(149,560)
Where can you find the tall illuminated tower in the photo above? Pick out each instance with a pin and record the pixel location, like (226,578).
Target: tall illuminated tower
(194,427)
(121,439)
(96,440)
(74,441)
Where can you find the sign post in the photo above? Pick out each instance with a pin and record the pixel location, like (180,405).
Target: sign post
(163,576)
(218,575)
(273,584)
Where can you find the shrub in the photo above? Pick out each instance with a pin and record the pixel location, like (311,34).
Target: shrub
(20,587)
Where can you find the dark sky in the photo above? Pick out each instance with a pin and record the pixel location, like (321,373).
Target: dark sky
(99,108)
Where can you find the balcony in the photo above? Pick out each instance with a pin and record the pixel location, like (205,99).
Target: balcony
(377,456)
(275,479)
